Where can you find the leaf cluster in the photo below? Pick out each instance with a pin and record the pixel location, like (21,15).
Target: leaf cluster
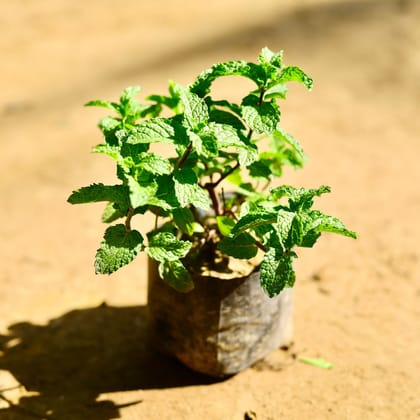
(213,142)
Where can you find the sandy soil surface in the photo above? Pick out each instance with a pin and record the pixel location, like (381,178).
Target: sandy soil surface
(73,345)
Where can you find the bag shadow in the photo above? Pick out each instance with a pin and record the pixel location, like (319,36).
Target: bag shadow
(84,353)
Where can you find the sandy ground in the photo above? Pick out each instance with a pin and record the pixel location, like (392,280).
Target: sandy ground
(73,345)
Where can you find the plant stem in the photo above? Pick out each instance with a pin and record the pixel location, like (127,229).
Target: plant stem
(226,174)
(260,245)
(185,155)
(130,214)
(261,98)
(211,188)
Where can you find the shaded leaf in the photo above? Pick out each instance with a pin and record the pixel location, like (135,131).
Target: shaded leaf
(225,224)
(296,232)
(260,170)
(242,246)
(99,192)
(118,248)
(224,117)
(109,126)
(176,275)
(202,83)
(277,271)
(283,226)
(163,246)
(184,219)
(112,213)
(204,144)
(253,220)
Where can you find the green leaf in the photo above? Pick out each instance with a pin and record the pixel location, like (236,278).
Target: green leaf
(176,275)
(168,101)
(118,248)
(296,233)
(294,74)
(171,101)
(247,155)
(152,130)
(321,363)
(268,57)
(188,191)
(165,195)
(324,223)
(163,246)
(309,239)
(146,189)
(128,94)
(129,105)
(99,192)
(260,170)
(277,272)
(260,117)
(278,91)
(204,144)
(283,226)
(225,224)
(109,126)
(151,111)
(225,135)
(105,149)
(253,220)
(280,136)
(202,83)
(235,178)
(184,219)
(141,194)
(132,151)
(109,123)
(196,112)
(227,106)
(104,104)
(242,246)
(155,164)
(219,116)
(299,198)
(112,213)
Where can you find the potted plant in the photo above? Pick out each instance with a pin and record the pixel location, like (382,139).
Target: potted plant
(222,247)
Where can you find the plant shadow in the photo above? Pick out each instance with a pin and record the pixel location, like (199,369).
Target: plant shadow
(74,358)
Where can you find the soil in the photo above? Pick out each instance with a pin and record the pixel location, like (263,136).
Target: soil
(74,345)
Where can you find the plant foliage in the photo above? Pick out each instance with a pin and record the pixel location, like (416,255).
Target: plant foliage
(213,142)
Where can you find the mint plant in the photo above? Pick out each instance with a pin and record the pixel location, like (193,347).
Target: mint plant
(214,143)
